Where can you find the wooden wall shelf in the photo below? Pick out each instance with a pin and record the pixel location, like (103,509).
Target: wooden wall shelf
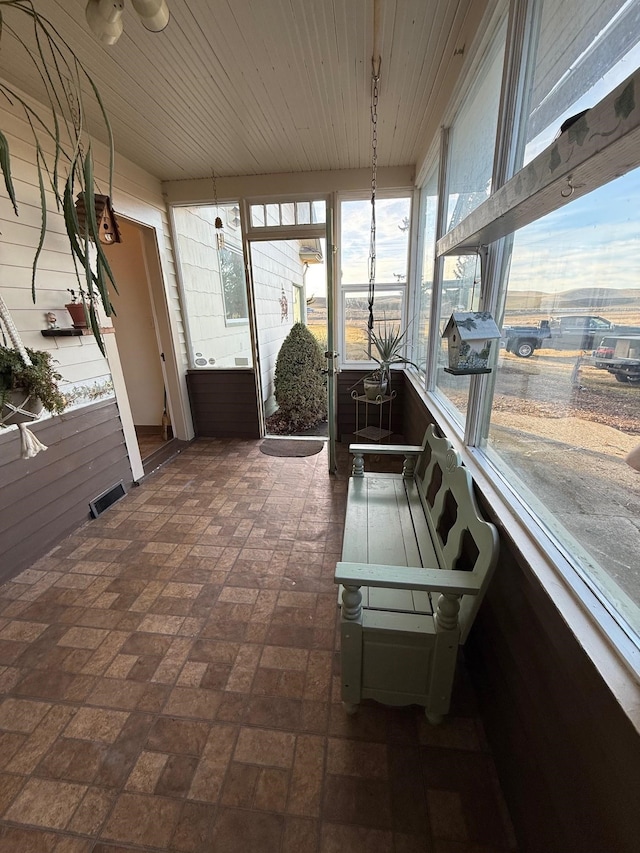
(70,332)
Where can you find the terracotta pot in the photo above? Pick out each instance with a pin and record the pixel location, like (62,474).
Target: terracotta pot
(78,318)
(31,408)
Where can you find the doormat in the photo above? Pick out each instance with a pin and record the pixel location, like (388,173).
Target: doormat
(282,447)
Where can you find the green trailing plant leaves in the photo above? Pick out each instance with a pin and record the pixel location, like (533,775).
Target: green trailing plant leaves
(63,81)
(43,225)
(5,164)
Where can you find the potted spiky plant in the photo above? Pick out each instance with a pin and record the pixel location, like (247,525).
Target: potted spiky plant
(64,157)
(387,348)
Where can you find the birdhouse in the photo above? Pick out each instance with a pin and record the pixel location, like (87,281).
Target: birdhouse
(108,231)
(469,335)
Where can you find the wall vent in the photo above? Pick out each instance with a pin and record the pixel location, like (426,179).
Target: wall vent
(106,499)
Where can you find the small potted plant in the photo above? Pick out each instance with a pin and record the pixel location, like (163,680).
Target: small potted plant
(388,344)
(78,309)
(26,390)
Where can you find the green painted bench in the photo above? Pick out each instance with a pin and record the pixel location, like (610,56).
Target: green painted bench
(416,560)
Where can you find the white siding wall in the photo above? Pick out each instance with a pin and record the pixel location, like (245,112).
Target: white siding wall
(202,287)
(276,266)
(136,194)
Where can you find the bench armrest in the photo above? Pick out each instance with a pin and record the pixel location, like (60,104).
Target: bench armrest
(449,581)
(386,449)
(409,451)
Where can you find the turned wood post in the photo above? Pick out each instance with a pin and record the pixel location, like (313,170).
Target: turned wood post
(351,603)
(409,467)
(351,643)
(447,612)
(358,464)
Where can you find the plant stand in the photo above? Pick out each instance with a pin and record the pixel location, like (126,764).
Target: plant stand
(374,412)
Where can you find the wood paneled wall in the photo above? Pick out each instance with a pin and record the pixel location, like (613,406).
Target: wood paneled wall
(350,380)
(568,758)
(45,498)
(224,403)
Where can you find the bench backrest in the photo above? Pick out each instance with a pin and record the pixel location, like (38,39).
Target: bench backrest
(463,539)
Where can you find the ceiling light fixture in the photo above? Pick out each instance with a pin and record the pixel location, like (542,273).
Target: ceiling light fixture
(105,17)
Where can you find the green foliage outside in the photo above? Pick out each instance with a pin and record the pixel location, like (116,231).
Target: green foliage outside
(300,385)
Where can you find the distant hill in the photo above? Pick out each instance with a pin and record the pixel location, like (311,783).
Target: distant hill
(577,298)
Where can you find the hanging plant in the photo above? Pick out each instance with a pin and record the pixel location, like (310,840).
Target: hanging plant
(38,381)
(64,158)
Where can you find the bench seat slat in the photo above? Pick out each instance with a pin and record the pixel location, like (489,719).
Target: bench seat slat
(390,531)
(408,577)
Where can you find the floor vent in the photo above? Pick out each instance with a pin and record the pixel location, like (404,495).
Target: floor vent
(106,499)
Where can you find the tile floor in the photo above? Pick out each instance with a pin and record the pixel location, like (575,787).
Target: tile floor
(168,682)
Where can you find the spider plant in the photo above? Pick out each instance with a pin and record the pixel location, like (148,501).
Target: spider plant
(389,344)
(64,157)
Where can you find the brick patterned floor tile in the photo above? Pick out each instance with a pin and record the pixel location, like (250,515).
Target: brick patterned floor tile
(45,803)
(239,830)
(140,819)
(169,679)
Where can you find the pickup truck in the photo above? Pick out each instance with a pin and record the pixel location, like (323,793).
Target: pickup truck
(620,355)
(524,340)
(573,331)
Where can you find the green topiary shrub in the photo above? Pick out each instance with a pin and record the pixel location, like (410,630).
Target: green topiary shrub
(300,385)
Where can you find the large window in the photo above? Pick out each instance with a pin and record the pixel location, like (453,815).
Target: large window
(553,422)
(575,67)
(392,247)
(461,283)
(428,224)
(566,405)
(473,136)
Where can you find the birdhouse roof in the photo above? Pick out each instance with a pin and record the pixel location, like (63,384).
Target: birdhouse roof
(472,326)
(104,210)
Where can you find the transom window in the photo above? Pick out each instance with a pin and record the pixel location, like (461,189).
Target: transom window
(284,214)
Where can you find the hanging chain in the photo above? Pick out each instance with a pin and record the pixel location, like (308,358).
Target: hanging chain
(218,221)
(375,78)
(215,189)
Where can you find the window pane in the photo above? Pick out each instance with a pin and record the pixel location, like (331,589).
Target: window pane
(303,209)
(389,310)
(287,213)
(460,292)
(257,215)
(574,68)
(473,136)
(428,215)
(392,240)
(318,212)
(234,289)
(564,416)
(273,214)
(213,287)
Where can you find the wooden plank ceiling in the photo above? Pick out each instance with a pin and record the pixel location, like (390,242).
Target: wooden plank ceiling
(263,86)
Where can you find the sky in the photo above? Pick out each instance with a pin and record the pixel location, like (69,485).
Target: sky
(391,244)
(591,242)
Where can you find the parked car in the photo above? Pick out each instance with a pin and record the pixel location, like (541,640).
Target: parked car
(620,355)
